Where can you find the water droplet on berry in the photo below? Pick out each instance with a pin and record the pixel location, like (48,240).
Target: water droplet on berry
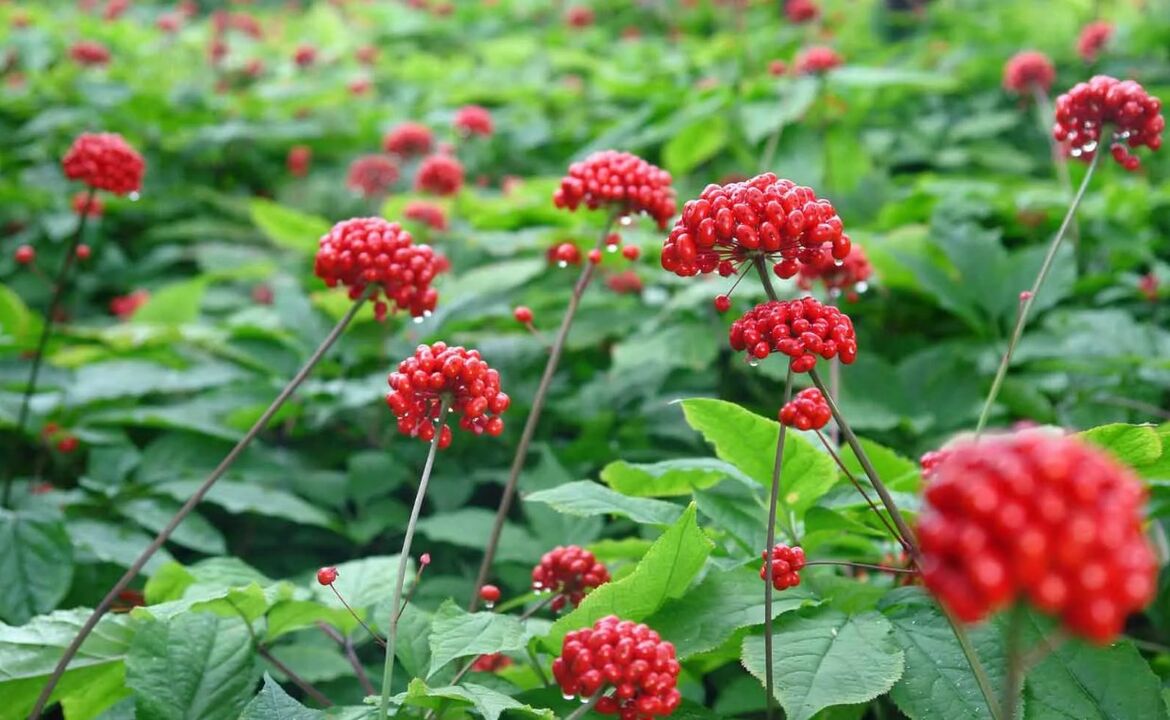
(611,248)
(861,286)
(562,264)
(489,605)
(427,313)
(418,319)
(567,697)
(537,586)
(584,700)
(134,196)
(834,292)
(1090,146)
(754,363)
(626,221)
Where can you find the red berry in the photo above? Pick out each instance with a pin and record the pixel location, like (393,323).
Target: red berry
(1038,516)
(492,662)
(777,67)
(372,175)
(489,594)
(424,559)
(83,252)
(25,254)
(1028,70)
(1092,39)
(439,175)
(807,411)
(104,161)
(564,254)
(427,213)
(473,120)
(327,575)
(801,11)
(89,53)
(523,314)
(618,181)
(630,252)
(299,157)
(124,306)
(305,55)
(83,204)
(595,256)
(570,572)
(801,329)
(613,240)
(437,371)
(627,656)
(626,281)
(722,303)
(409,139)
(848,274)
(67,444)
(579,16)
(1133,117)
(786,565)
(817,60)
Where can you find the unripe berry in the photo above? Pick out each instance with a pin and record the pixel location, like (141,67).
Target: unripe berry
(327,575)
(523,314)
(25,254)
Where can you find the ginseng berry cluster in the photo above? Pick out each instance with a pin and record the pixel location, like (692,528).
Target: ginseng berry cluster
(1121,107)
(1037,516)
(627,656)
(807,411)
(1093,39)
(621,181)
(427,213)
(473,120)
(364,252)
(801,329)
(1027,70)
(849,275)
(817,60)
(408,139)
(570,572)
(437,372)
(372,175)
(765,216)
(787,562)
(104,161)
(439,175)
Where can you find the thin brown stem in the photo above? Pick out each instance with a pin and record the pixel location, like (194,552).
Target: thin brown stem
(535,663)
(1030,297)
(865,566)
(192,502)
(297,680)
(59,285)
(550,369)
(404,558)
(357,617)
(857,485)
(584,709)
(773,502)
(350,655)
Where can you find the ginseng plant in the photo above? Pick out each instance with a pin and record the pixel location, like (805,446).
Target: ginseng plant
(732,229)
(376,260)
(101,161)
(622,184)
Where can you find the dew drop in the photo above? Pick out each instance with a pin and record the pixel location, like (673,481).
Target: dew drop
(754,363)
(489,605)
(1090,146)
(861,286)
(611,248)
(626,221)
(834,292)
(418,319)
(838,263)
(562,264)
(537,586)
(427,313)
(567,697)
(584,700)
(1075,152)
(134,196)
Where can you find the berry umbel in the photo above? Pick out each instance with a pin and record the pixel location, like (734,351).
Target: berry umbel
(807,411)
(568,572)
(473,120)
(801,329)
(1028,70)
(787,562)
(618,181)
(409,139)
(439,174)
(372,175)
(104,161)
(1122,108)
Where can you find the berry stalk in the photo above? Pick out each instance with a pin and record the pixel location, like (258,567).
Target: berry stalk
(1013,683)
(550,369)
(773,501)
(350,655)
(857,485)
(188,506)
(306,686)
(864,566)
(1030,297)
(59,285)
(403,558)
(584,709)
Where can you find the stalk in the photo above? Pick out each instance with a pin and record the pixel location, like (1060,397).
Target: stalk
(59,285)
(403,557)
(773,501)
(1044,117)
(550,369)
(1014,682)
(1026,304)
(857,486)
(188,506)
(584,709)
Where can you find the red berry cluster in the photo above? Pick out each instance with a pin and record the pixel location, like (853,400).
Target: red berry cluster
(1027,70)
(88,52)
(371,251)
(427,213)
(1093,39)
(931,460)
(439,174)
(299,157)
(563,254)
(492,662)
(569,572)
(801,329)
(83,204)
(436,371)
(801,11)
(579,16)
(807,411)
(372,175)
(1122,107)
(104,161)
(408,139)
(628,656)
(777,67)
(817,60)
(730,224)
(787,562)
(620,181)
(305,56)
(849,275)
(169,22)
(123,307)
(627,281)
(1039,516)
(473,120)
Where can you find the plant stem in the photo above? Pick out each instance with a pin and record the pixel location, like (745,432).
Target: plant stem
(347,645)
(1014,682)
(584,709)
(535,662)
(765,278)
(1026,305)
(59,285)
(773,501)
(857,485)
(192,501)
(297,680)
(357,617)
(866,566)
(550,369)
(404,558)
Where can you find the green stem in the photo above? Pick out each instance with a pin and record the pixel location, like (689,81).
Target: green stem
(584,709)
(1014,682)
(865,566)
(1026,304)
(404,558)
(773,502)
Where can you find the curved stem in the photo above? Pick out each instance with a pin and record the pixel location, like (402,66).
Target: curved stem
(550,369)
(1026,304)
(857,485)
(357,617)
(765,278)
(265,653)
(188,506)
(351,655)
(404,558)
(866,566)
(59,285)
(773,502)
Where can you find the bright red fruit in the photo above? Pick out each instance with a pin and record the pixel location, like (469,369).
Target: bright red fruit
(408,139)
(626,281)
(473,120)
(104,161)
(492,662)
(84,252)
(848,275)
(427,213)
(372,175)
(569,572)
(67,444)
(1038,516)
(299,157)
(807,411)
(439,174)
(1027,70)
(523,314)
(361,252)
(629,657)
(437,372)
(489,594)
(801,329)
(787,562)
(595,256)
(1093,39)
(124,306)
(88,52)
(84,205)
(631,252)
(618,181)
(25,254)
(327,575)
(722,303)
(305,56)
(579,16)
(564,254)
(801,11)
(1132,115)
(817,60)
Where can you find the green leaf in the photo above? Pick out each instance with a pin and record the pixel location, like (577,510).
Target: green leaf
(195,532)
(695,144)
(36,563)
(490,704)
(748,442)
(1134,445)
(289,616)
(587,498)
(877,77)
(721,604)
(666,478)
(897,472)
(241,497)
(175,304)
(16,321)
(286,227)
(468,527)
(456,633)
(664,573)
(273,703)
(101,541)
(763,118)
(824,658)
(195,665)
